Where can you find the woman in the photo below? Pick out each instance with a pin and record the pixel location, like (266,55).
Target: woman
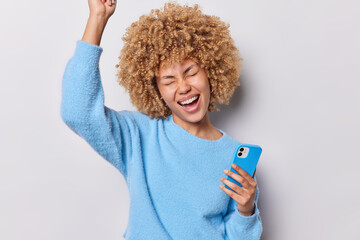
(176,63)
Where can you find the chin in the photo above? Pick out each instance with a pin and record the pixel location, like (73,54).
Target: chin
(191,117)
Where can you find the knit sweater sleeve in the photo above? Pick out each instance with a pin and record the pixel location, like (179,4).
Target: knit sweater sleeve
(242,227)
(83,110)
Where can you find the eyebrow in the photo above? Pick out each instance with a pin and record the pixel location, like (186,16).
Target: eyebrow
(170,76)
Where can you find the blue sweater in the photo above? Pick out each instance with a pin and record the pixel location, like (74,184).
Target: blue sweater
(173,177)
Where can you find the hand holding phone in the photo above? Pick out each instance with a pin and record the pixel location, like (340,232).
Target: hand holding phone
(246,156)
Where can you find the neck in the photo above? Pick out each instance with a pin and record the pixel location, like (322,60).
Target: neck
(202,129)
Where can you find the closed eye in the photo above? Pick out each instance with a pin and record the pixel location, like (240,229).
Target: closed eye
(193,74)
(168,83)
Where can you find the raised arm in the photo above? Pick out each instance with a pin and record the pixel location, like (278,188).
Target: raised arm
(82,106)
(100,12)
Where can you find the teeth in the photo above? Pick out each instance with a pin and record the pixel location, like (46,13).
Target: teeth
(189,100)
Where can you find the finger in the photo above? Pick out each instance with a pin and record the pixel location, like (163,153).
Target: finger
(232,185)
(242,172)
(238,178)
(232,194)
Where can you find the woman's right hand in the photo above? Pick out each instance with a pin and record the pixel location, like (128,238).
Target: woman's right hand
(100,12)
(102,8)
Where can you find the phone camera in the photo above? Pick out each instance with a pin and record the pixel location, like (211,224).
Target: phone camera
(239,154)
(241,149)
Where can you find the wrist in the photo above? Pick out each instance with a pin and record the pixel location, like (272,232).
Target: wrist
(249,213)
(97,20)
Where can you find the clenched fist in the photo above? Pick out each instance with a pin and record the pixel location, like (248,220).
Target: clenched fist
(102,8)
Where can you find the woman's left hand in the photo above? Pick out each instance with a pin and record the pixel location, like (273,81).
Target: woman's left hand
(245,195)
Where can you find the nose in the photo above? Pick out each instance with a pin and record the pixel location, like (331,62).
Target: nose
(183,87)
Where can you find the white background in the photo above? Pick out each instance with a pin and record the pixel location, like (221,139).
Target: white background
(299,99)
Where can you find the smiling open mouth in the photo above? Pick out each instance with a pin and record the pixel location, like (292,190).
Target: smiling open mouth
(191,102)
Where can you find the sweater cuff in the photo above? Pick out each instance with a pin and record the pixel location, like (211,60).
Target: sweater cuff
(247,219)
(87,50)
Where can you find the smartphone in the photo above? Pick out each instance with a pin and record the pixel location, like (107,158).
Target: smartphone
(246,156)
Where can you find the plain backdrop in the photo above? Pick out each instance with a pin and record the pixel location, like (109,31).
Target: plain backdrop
(299,99)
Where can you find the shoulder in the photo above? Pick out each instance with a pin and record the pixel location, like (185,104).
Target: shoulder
(137,118)
(230,139)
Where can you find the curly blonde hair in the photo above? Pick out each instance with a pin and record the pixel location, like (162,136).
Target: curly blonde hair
(172,34)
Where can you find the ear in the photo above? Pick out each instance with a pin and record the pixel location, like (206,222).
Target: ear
(211,90)
(154,82)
